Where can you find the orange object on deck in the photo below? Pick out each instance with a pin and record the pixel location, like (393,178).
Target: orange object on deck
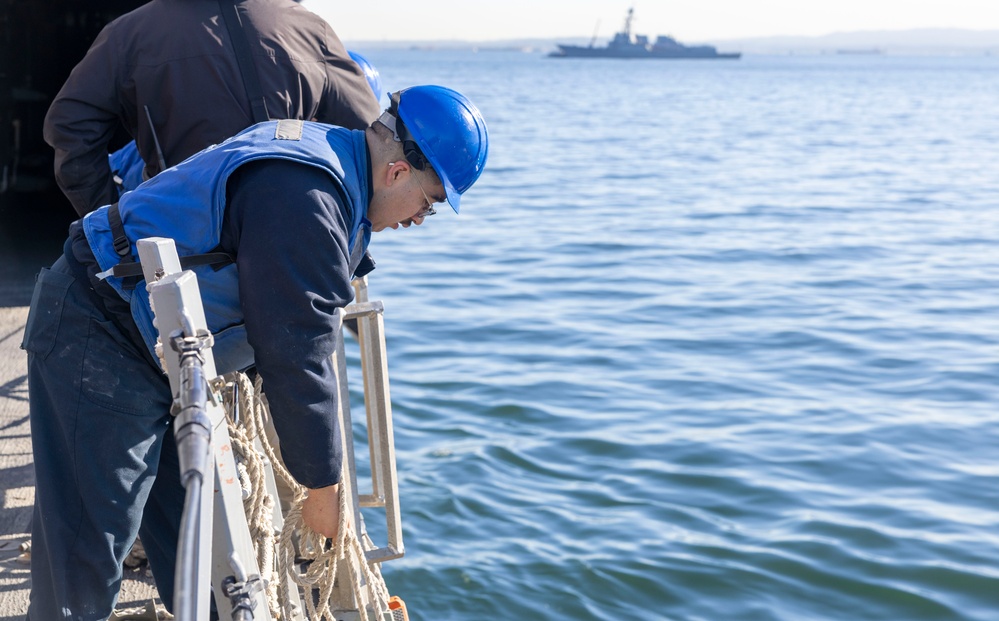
(398,608)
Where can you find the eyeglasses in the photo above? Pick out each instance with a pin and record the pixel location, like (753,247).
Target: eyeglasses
(428,210)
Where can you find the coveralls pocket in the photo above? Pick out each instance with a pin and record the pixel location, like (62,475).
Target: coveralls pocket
(45,314)
(115,375)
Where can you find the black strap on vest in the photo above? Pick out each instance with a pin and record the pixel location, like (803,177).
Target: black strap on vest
(121,245)
(240,44)
(217,260)
(128,267)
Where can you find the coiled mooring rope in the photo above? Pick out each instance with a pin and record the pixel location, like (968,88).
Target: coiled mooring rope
(322,556)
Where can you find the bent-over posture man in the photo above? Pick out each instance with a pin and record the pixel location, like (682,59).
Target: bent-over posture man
(289,201)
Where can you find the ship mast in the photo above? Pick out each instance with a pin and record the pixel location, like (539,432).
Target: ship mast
(596,28)
(627,23)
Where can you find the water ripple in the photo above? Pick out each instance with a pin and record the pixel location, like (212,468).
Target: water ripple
(708,341)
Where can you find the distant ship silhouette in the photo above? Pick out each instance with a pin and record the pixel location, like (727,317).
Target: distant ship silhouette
(624,45)
(873,51)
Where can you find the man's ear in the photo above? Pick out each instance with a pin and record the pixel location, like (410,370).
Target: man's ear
(395,171)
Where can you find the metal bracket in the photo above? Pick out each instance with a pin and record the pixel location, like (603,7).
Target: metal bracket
(378,408)
(221,528)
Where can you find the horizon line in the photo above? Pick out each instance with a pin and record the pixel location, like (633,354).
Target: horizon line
(738,38)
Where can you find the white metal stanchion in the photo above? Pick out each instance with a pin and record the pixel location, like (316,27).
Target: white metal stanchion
(378,408)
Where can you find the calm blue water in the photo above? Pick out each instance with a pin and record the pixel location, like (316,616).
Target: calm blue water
(708,341)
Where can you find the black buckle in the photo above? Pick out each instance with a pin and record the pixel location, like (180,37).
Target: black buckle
(121,246)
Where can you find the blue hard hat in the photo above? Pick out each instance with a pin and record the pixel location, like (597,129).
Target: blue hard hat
(372,75)
(449,131)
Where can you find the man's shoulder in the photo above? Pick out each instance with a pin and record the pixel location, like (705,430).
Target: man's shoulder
(279,15)
(284,191)
(158,18)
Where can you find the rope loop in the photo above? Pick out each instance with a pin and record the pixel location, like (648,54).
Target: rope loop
(282,554)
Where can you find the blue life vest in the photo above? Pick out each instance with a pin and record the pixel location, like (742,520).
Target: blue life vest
(127,165)
(187,204)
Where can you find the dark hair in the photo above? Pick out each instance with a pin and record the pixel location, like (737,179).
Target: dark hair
(409,147)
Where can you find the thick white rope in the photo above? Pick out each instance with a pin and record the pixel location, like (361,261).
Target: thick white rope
(323,554)
(258,503)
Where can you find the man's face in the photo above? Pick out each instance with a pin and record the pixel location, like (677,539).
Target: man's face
(408,198)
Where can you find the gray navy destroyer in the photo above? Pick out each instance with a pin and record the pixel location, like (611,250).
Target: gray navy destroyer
(626,45)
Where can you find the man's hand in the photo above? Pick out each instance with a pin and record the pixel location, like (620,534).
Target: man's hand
(321,511)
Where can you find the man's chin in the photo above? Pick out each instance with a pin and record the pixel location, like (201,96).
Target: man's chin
(408,222)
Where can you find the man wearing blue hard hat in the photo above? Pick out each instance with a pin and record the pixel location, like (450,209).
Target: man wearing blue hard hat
(270,220)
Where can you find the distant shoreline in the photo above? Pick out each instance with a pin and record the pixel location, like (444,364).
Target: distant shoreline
(846,53)
(918,42)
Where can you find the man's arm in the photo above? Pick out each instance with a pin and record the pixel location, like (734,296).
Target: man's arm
(81,122)
(289,233)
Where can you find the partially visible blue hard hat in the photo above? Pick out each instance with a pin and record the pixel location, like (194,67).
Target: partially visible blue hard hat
(450,132)
(372,75)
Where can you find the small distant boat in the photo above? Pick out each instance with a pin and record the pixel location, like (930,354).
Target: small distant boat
(626,45)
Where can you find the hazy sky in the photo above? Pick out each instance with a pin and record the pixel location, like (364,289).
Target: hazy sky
(480,20)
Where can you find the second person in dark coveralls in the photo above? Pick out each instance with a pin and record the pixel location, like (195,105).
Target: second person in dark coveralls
(177,58)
